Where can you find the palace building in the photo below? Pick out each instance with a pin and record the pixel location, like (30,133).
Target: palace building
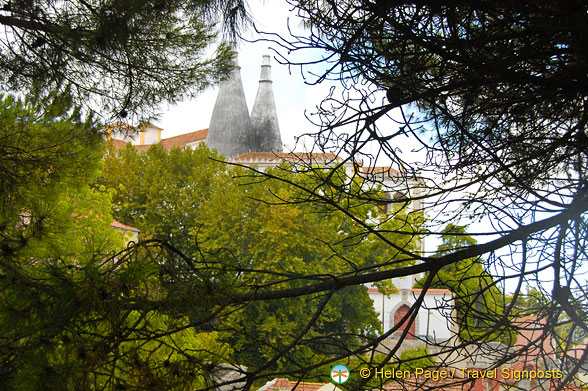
(253,138)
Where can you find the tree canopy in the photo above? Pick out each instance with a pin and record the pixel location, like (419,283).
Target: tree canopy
(73,302)
(491,93)
(246,236)
(116,58)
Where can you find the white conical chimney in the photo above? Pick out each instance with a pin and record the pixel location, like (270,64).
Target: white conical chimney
(264,117)
(230,130)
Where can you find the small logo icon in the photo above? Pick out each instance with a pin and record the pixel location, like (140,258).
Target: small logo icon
(339,374)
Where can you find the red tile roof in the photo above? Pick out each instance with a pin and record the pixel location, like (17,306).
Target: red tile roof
(121,226)
(143,148)
(577,352)
(532,332)
(179,141)
(183,139)
(281,384)
(118,144)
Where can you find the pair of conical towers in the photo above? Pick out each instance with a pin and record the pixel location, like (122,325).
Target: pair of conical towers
(232,130)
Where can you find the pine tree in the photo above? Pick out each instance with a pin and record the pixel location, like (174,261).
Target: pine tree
(119,57)
(75,303)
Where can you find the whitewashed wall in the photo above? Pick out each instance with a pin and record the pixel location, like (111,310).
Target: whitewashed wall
(432,319)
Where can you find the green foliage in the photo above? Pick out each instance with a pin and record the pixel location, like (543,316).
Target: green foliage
(118,56)
(162,193)
(43,156)
(412,359)
(75,307)
(244,234)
